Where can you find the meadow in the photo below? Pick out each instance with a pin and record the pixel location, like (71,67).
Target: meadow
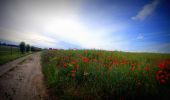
(99,74)
(6,55)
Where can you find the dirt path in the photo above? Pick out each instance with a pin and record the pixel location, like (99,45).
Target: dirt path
(24,81)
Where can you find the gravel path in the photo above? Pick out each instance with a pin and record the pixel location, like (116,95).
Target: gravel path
(24,79)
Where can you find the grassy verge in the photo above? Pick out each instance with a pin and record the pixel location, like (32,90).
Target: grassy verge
(7,57)
(94,74)
(8,53)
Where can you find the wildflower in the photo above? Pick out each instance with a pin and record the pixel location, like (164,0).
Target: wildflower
(77,66)
(65,65)
(159,72)
(110,68)
(162,81)
(86,60)
(73,61)
(167,65)
(133,66)
(166,77)
(73,74)
(115,62)
(157,78)
(124,62)
(73,71)
(161,66)
(105,65)
(146,68)
(162,76)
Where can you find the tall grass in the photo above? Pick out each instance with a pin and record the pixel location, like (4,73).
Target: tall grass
(6,55)
(97,74)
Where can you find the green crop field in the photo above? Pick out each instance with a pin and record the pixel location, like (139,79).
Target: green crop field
(8,53)
(97,74)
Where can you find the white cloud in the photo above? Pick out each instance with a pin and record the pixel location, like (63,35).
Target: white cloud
(56,24)
(32,38)
(147,10)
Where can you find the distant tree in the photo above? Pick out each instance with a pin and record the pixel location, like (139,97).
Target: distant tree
(28,48)
(34,49)
(22,47)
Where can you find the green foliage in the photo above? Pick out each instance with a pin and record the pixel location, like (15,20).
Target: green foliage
(6,56)
(22,47)
(28,48)
(35,49)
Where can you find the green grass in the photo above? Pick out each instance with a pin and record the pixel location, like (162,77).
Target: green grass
(6,55)
(95,74)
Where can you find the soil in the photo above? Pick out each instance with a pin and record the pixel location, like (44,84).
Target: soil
(24,81)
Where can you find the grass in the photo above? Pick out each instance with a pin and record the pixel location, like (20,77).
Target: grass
(6,55)
(98,75)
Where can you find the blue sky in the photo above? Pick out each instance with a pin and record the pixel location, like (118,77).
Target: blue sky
(126,25)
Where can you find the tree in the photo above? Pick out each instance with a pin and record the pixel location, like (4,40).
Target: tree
(35,49)
(32,48)
(28,48)
(22,47)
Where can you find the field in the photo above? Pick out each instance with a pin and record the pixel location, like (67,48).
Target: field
(98,75)
(6,55)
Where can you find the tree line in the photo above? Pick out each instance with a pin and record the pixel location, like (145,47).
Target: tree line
(27,48)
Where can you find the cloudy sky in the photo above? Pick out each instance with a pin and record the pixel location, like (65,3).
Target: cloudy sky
(127,25)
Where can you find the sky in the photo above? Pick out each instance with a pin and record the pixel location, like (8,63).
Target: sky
(125,25)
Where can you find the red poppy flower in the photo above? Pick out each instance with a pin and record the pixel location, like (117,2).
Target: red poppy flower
(146,68)
(162,65)
(166,77)
(73,74)
(73,71)
(162,81)
(133,66)
(73,61)
(159,72)
(115,62)
(162,76)
(105,65)
(110,68)
(86,60)
(157,78)
(65,65)
(77,67)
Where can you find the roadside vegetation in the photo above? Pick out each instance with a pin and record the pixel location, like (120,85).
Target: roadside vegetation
(98,75)
(10,52)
